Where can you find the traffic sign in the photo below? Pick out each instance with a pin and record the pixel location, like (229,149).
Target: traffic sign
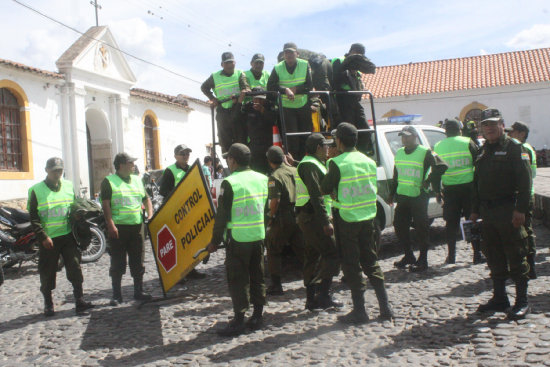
(166,249)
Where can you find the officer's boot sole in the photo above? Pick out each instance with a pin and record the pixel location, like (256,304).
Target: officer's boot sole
(518,312)
(494,306)
(354,318)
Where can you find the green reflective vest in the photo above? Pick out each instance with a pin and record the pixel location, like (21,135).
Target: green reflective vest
(410,168)
(287,80)
(357,187)
(247,210)
(126,199)
(178,173)
(254,83)
(344,86)
(53,207)
(302,195)
(533,155)
(455,151)
(226,86)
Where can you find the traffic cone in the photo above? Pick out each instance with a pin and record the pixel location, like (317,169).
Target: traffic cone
(276,137)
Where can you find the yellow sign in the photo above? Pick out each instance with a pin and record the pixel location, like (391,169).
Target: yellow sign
(182,226)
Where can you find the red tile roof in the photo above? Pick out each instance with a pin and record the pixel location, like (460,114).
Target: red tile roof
(179,100)
(510,68)
(17,65)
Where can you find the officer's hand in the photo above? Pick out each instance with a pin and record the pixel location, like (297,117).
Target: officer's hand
(214,102)
(518,219)
(474,217)
(289,94)
(328,229)
(212,247)
(47,243)
(390,201)
(112,231)
(288,159)
(439,198)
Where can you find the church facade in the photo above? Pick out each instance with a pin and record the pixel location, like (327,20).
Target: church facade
(86,113)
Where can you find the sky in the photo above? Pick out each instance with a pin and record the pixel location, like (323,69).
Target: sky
(189,36)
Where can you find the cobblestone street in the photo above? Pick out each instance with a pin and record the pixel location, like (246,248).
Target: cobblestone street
(436,323)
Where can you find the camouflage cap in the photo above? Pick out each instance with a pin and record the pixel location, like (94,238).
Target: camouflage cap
(314,140)
(123,158)
(491,114)
(181,149)
(239,152)
(275,154)
(408,130)
(452,124)
(518,126)
(358,48)
(257,57)
(227,56)
(290,46)
(54,163)
(343,130)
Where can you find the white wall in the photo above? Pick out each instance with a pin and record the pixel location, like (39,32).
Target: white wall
(528,102)
(44,105)
(176,126)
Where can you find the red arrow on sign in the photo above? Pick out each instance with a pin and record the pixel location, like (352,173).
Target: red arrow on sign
(166,248)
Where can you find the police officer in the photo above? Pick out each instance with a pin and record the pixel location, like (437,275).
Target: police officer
(282,220)
(241,208)
(459,153)
(321,255)
(227,83)
(351,178)
(48,204)
(256,76)
(261,115)
(347,79)
(292,78)
(520,132)
(122,195)
(174,173)
(409,189)
(502,190)
(171,177)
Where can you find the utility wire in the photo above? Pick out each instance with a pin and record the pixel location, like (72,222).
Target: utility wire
(111,46)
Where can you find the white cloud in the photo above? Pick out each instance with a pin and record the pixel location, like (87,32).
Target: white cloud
(535,37)
(136,37)
(483,52)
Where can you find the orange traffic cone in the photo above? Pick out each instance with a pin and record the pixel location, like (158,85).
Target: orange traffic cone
(276,137)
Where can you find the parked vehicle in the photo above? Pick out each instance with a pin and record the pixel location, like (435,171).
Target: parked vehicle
(18,241)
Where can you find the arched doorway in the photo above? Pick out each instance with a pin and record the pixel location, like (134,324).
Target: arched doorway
(99,148)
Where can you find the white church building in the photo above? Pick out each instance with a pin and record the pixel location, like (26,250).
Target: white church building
(86,113)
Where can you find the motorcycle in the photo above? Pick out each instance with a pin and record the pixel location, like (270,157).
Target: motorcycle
(18,241)
(88,227)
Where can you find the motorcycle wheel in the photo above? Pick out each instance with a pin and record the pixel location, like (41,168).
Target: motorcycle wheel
(96,248)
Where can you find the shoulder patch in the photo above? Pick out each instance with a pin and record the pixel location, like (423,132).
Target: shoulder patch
(271,184)
(500,153)
(525,157)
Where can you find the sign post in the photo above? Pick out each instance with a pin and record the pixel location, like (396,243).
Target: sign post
(182,226)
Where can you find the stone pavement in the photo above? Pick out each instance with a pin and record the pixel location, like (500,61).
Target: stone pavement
(435,326)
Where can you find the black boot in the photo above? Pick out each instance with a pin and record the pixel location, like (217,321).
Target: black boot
(276,288)
(256,321)
(234,327)
(139,295)
(408,259)
(531,261)
(48,304)
(451,256)
(386,313)
(358,315)
(325,300)
(80,305)
(311,301)
(521,307)
(116,281)
(499,301)
(421,264)
(478,257)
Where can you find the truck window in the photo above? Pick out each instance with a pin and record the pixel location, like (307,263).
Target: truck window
(434,136)
(394,141)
